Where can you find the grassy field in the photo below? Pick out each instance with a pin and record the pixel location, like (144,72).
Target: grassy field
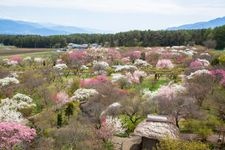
(33,52)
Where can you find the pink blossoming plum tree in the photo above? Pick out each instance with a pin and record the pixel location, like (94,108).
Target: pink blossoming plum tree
(113,55)
(75,59)
(61,98)
(91,82)
(13,133)
(199,64)
(134,55)
(219,75)
(16,58)
(164,64)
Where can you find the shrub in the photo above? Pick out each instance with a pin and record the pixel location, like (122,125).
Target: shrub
(108,145)
(41,122)
(77,135)
(215,61)
(204,132)
(43,143)
(74,85)
(170,144)
(199,127)
(59,120)
(129,124)
(109,71)
(69,111)
(222,59)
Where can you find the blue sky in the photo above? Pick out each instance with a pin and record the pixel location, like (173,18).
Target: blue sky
(113,15)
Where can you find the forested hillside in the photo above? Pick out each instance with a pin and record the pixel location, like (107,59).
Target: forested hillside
(214,38)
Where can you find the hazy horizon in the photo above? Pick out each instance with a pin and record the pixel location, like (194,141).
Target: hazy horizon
(116,15)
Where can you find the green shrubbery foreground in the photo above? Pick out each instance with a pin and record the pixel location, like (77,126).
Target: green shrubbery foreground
(170,144)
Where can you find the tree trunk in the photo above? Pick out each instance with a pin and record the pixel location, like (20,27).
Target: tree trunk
(177,122)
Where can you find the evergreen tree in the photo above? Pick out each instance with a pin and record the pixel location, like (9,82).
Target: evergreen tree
(69,110)
(59,120)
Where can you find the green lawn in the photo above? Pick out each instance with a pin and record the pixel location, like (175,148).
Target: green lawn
(151,84)
(7,51)
(39,54)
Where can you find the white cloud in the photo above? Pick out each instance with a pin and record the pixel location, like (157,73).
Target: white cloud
(120,6)
(171,7)
(105,14)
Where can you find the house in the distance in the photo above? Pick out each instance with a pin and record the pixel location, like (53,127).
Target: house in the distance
(77,46)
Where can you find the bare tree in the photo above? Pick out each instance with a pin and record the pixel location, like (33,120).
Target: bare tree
(199,87)
(135,108)
(179,107)
(108,94)
(210,44)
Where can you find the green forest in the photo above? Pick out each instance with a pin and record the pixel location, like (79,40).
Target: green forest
(211,38)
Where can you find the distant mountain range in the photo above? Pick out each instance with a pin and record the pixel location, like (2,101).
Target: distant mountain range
(14,27)
(201,25)
(27,28)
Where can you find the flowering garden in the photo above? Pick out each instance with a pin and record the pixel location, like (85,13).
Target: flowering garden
(81,99)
